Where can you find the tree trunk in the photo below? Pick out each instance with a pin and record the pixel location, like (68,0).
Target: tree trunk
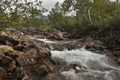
(89,17)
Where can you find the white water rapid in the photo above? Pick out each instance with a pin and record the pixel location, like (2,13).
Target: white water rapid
(89,65)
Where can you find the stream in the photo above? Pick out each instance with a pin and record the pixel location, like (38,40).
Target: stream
(83,64)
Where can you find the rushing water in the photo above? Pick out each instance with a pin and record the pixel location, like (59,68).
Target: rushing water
(89,65)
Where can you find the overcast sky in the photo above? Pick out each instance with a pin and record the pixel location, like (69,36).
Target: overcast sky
(49,4)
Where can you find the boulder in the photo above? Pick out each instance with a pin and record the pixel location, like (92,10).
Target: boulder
(55,34)
(4,59)
(6,49)
(89,39)
(2,73)
(6,39)
(11,66)
(43,62)
(90,45)
(27,75)
(41,70)
(28,58)
(14,54)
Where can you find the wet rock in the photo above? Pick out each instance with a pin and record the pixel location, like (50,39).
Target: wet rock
(43,62)
(2,73)
(55,34)
(6,49)
(28,58)
(90,45)
(64,69)
(91,49)
(99,47)
(51,36)
(41,70)
(59,47)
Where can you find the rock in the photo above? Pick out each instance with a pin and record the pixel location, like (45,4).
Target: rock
(51,36)
(89,39)
(43,62)
(64,69)
(11,66)
(116,53)
(91,49)
(19,71)
(59,35)
(41,70)
(2,73)
(55,34)
(59,47)
(99,47)
(6,49)
(15,54)
(19,47)
(28,58)
(6,39)
(3,33)
(4,59)
(90,45)
(27,75)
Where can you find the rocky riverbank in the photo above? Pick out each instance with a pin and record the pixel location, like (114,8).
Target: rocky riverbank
(22,57)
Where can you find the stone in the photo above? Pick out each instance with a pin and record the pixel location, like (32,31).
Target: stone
(41,70)
(3,33)
(6,49)
(19,47)
(89,39)
(27,75)
(2,73)
(99,47)
(28,58)
(11,66)
(43,62)
(5,60)
(90,45)
(116,53)
(6,39)
(59,35)
(15,54)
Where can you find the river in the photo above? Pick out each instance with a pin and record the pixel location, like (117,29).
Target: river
(83,64)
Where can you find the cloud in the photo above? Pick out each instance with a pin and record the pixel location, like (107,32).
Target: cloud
(50,3)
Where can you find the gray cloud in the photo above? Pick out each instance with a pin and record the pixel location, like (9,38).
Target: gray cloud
(49,4)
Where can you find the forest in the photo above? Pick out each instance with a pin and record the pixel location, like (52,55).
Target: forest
(73,16)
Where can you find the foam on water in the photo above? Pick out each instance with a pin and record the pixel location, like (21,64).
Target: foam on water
(93,65)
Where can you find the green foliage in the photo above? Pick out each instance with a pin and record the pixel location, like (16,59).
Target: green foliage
(16,14)
(102,14)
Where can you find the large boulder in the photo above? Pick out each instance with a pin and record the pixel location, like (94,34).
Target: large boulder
(6,40)
(6,49)
(55,34)
(28,58)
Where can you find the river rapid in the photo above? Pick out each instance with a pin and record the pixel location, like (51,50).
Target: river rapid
(83,64)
